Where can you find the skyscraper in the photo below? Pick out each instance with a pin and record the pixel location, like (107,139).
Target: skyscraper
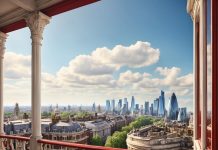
(93,107)
(136,107)
(182,114)
(113,105)
(146,107)
(151,110)
(132,104)
(126,102)
(124,109)
(172,111)
(120,104)
(108,107)
(161,107)
(141,110)
(155,107)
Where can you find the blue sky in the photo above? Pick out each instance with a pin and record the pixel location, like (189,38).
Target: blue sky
(164,24)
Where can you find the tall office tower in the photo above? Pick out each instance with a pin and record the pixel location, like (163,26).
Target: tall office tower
(126,102)
(124,109)
(50,108)
(151,110)
(99,108)
(137,107)
(113,105)
(132,107)
(127,106)
(172,112)
(161,108)
(69,108)
(182,116)
(141,111)
(120,104)
(93,107)
(108,106)
(146,108)
(155,107)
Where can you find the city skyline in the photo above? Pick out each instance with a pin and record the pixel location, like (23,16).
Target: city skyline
(150,65)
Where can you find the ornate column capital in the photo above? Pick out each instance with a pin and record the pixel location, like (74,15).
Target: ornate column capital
(3,37)
(193,8)
(36,21)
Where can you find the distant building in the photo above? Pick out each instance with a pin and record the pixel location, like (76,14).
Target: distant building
(119,104)
(161,106)
(146,108)
(126,102)
(132,107)
(182,116)
(69,108)
(155,107)
(173,110)
(137,107)
(156,138)
(99,127)
(108,107)
(50,108)
(62,131)
(124,110)
(151,110)
(113,105)
(141,111)
(93,107)
(16,111)
(99,108)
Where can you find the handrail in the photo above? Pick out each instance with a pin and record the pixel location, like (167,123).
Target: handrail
(76,145)
(15,137)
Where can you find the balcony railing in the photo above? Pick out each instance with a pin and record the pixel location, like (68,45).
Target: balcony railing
(9,142)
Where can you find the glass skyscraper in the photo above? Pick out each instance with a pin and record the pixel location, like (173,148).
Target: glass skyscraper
(151,110)
(113,105)
(172,111)
(132,104)
(108,106)
(126,102)
(93,107)
(182,114)
(161,107)
(146,108)
(124,109)
(120,104)
(155,107)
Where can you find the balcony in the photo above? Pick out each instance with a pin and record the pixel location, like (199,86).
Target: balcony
(8,142)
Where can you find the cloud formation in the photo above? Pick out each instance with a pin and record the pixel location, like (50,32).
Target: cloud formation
(99,75)
(16,66)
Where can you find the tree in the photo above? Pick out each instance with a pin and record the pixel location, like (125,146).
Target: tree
(126,128)
(118,139)
(97,140)
(108,141)
(65,115)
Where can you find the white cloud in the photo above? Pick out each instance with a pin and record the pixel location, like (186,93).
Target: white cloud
(131,77)
(88,65)
(104,61)
(16,66)
(91,76)
(170,74)
(140,54)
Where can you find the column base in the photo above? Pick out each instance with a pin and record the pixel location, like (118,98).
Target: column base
(34,145)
